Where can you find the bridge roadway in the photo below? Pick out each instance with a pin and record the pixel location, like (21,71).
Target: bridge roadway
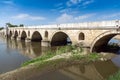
(94,35)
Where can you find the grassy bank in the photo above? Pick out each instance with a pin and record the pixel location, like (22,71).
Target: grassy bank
(50,54)
(116,76)
(75,53)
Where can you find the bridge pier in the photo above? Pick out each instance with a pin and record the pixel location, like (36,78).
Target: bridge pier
(12,37)
(45,43)
(27,40)
(18,38)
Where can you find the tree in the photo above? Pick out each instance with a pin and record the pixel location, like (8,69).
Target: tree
(11,25)
(21,25)
(1,28)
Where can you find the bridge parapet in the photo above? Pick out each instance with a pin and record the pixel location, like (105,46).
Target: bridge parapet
(84,25)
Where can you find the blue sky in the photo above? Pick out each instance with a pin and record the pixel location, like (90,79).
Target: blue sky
(37,12)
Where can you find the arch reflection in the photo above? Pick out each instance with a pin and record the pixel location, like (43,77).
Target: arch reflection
(95,71)
(31,50)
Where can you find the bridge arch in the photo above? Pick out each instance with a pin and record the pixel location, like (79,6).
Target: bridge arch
(23,35)
(36,36)
(10,34)
(60,38)
(16,34)
(101,41)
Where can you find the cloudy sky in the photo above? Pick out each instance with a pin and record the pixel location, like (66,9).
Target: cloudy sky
(37,12)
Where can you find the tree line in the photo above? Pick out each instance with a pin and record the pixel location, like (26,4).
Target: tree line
(12,25)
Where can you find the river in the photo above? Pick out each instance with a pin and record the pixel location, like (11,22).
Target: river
(14,53)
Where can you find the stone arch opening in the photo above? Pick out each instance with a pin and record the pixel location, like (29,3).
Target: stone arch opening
(36,37)
(10,34)
(81,36)
(60,39)
(46,34)
(16,35)
(23,35)
(101,43)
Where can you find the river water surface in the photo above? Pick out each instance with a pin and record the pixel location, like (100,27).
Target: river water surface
(14,53)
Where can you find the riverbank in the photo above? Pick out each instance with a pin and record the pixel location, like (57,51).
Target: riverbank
(50,62)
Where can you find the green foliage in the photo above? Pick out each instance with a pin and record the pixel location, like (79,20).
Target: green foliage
(64,49)
(11,25)
(93,56)
(87,58)
(41,58)
(1,28)
(115,76)
(77,57)
(77,50)
(21,25)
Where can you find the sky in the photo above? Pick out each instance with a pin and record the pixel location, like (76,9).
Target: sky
(40,12)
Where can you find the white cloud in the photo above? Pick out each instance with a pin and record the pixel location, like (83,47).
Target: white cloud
(21,16)
(87,2)
(73,2)
(84,17)
(64,18)
(108,16)
(67,10)
(27,16)
(58,5)
(80,2)
(8,2)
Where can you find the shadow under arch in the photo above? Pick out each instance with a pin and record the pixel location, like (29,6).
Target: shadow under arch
(60,39)
(101,42)
(16,35)
(23,35)
(10,34)
(36,37)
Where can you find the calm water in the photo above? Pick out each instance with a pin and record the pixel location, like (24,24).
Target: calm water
(93,71)
(14,53)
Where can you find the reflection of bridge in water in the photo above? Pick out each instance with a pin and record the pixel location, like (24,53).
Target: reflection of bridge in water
(92,71)
(31,49)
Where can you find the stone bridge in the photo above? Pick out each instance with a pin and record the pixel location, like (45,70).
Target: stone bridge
(94,35)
